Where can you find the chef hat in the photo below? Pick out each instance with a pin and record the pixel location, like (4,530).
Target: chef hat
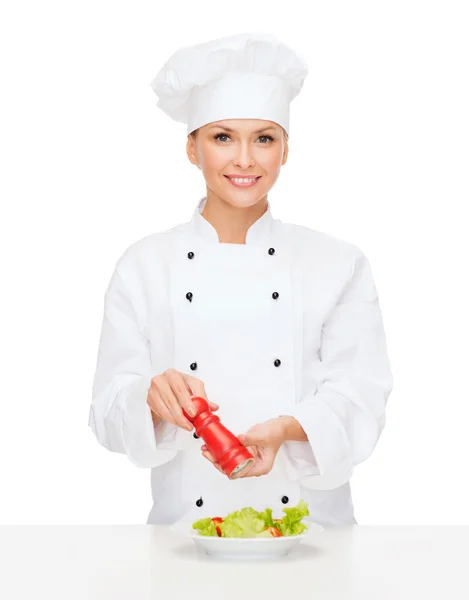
(243,76)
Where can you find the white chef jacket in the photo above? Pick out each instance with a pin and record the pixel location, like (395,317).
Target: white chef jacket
(288,323)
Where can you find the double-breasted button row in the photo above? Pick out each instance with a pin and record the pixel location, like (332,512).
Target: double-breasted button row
(190,255)
(285,500)
(277,363)
(190,295)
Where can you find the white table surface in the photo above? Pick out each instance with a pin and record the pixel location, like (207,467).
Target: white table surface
(137,562)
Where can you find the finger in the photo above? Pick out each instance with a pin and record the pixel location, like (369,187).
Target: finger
(248,439)
(255,451)
(173,405)
(255,471)
(253,437)
(155,418)
(263,462)
(181,392)
(197,388)
(159,407)
(208,456)
(257,468)
(214,463)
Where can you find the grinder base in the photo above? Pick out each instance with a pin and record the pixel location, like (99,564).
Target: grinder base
(241,469)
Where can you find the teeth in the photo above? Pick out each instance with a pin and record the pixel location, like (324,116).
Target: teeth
(246,180)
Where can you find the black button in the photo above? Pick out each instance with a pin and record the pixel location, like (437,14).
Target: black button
(275,295)
(193,366)
(285,500)
(189,296)
(277,362)
(190,255)
(271,251)
(195,435)
(199,502)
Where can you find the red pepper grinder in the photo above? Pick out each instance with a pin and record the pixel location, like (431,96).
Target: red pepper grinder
(234,458)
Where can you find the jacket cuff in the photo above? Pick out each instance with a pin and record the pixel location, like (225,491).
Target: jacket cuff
(145,445)
(302,458)
(327,453)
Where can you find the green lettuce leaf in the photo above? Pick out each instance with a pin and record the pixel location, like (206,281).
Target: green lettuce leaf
(291,522)
(243,523)
(266,516)
(205,527)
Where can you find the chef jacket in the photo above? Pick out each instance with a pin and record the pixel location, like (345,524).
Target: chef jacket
(288,323)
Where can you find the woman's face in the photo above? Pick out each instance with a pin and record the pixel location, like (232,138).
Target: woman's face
(242,147)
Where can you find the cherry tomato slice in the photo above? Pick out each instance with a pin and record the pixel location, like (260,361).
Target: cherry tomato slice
(274,532)
(216,521)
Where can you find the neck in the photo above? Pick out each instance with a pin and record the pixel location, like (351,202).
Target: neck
(231,222)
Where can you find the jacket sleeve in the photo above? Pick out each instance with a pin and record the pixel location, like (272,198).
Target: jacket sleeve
(119,415)
(345,415)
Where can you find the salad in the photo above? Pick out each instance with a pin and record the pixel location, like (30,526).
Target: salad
(248,523)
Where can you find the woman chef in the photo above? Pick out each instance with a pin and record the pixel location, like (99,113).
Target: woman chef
(277,325)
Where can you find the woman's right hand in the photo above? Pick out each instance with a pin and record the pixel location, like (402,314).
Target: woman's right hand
(171,392)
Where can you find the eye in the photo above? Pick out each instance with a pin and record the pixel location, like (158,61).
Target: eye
(218,136)
(267,137)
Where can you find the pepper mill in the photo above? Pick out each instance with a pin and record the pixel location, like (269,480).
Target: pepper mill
(234,458)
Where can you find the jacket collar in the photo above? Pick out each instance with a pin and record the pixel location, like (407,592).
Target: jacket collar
(257,235)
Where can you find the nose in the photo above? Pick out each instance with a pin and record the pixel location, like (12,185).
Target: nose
(244,160)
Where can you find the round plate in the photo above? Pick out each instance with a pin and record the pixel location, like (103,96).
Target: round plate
(246,548)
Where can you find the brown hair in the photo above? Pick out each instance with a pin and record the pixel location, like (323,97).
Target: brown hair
(285,134)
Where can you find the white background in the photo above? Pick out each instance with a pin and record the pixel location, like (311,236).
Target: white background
(378,156)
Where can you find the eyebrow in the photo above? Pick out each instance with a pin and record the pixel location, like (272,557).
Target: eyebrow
(233,131)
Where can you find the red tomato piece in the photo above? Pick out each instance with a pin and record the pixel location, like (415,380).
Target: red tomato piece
(274,532)
(216,521)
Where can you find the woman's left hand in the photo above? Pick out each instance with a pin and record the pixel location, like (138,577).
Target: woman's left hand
(263,442)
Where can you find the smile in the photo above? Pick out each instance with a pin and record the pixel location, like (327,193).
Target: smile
(242,181)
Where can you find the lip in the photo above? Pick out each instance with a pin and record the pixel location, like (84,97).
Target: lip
(243,185)
(242,176)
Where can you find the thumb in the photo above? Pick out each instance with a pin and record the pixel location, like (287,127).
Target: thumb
(247,439)
(197,388)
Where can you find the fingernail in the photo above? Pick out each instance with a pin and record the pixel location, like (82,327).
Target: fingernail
(191,411)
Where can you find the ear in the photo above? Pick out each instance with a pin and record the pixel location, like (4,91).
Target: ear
(191,152)
(285,154)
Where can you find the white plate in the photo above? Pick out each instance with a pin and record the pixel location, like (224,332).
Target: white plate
(246,548)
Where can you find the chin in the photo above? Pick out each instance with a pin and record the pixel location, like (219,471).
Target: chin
(242,198)
(243,202)
(237,198)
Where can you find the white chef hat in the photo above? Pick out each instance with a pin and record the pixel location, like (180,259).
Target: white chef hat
(243,76)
